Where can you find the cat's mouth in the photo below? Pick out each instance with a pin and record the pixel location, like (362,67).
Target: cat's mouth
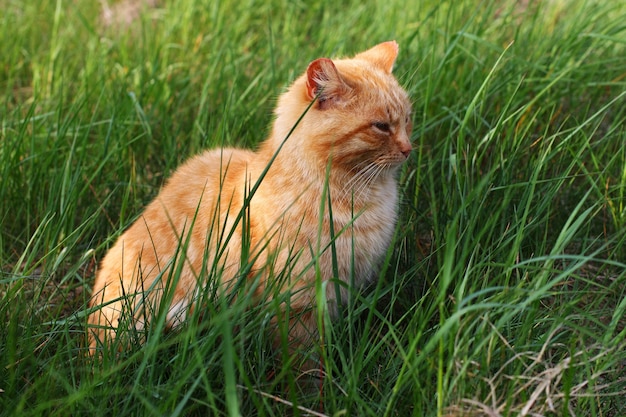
(393,162)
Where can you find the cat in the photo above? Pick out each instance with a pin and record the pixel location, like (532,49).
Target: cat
(341,132)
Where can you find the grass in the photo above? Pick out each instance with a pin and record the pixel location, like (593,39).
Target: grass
(504,292)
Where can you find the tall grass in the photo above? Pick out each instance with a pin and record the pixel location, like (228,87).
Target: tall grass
(504,292)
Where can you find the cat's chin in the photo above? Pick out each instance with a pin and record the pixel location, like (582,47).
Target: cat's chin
(392,167)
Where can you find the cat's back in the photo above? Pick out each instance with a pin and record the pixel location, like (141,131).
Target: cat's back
(203,177)
(196,195)
(192,198)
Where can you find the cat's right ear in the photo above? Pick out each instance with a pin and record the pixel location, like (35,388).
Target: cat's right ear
(324,82)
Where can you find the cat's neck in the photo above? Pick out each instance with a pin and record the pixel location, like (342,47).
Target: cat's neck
(289,168)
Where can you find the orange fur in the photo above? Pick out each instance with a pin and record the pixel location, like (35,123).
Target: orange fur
(357,129)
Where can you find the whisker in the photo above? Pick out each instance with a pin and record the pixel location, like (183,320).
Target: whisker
(365,188)
(358,176)
(358,186)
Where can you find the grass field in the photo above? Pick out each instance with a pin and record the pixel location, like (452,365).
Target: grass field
(504,293)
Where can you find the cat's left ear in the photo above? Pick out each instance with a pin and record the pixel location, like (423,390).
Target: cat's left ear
(324,82)
(382,55)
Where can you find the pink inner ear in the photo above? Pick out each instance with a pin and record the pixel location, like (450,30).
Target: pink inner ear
(318,73)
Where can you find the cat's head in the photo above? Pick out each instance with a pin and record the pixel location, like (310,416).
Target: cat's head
(354,113)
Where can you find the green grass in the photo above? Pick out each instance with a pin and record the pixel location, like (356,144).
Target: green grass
(505,289)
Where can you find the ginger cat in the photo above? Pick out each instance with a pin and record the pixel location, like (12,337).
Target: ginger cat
(341,131)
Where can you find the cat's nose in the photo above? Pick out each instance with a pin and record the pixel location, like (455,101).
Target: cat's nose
(406,148)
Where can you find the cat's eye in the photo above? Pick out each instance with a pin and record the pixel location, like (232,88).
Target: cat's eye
(382,126)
